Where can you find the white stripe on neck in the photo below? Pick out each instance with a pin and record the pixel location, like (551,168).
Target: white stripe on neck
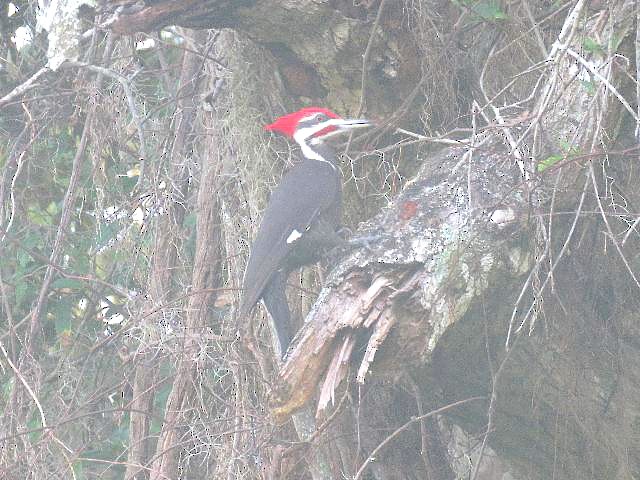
(302,135)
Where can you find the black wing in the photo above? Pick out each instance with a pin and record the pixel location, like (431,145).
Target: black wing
(304,193)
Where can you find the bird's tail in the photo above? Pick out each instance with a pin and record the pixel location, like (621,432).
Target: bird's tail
(275,299)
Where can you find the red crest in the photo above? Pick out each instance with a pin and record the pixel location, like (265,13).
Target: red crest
(287,123)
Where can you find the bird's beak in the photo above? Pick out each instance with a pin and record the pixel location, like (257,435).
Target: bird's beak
(348,124)
(336,126)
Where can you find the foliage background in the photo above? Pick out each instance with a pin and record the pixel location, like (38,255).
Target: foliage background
(132,180)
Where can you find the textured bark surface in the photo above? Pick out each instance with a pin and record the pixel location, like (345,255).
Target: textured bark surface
(161,286)
(468,256)
(438,251)
(316,45)
(206,278)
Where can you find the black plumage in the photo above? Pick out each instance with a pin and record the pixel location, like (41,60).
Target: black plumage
(299,224)
(307,202)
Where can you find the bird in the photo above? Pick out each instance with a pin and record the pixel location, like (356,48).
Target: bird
(303,215)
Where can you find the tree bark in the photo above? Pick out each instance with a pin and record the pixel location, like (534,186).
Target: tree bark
(161,285)
(317,46)
(205,278)
(483,280)
(454,251)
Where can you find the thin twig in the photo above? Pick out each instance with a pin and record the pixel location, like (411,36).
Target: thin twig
(606,83)
(24,87)
(365,57)
(525,170)
(401,429)
(609,229)
(549,274)
(131,102)
(536,29)
(20,161)
(631,229)
(556,55)
(26,385)
(365,61)
(65,218)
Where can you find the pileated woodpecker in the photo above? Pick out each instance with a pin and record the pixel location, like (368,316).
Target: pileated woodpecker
(300,221)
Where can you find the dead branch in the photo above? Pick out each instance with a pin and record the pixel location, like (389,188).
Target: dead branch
(205,277)
(433,257)
(445,240)
(164,259)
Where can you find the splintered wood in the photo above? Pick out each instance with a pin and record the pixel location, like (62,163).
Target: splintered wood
(356,314)
(387,308)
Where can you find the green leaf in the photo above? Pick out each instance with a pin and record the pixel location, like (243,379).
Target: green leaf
(190,220)
(53,209)
(33,424)
(106,234)
(490,11)
(549,162)
(22,291)
(570,151)
(62,313)
(160,401)
(590,45)
(616,40)
(32,240)
(80,260)
(38,216)
(567,147)
(128,183)
(24,259)
(121,435)
(589,86)
(78,469)
(7,388)
(67,283)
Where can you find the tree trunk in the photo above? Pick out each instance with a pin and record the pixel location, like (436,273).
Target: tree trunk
(161,282)
(206,277)
(490,329)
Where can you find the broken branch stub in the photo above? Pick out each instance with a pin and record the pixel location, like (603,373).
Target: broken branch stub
(438,251)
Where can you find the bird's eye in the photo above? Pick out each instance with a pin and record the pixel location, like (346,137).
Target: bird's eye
(321,117)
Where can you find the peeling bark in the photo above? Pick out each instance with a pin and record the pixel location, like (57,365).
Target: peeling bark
(422,276)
